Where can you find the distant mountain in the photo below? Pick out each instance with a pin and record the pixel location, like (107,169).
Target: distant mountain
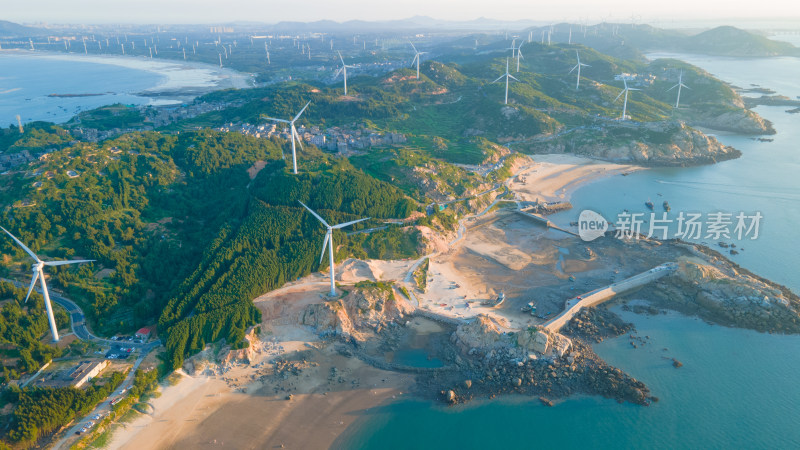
(11,29)
(420,23)
(731,41)
(720,41)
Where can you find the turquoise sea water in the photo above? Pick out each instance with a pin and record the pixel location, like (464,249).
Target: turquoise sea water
(737,388)
(27,80)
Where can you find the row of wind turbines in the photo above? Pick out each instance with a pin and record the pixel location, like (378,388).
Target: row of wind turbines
(516,52)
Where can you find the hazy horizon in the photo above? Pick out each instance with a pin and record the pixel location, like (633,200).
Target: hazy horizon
(665,14)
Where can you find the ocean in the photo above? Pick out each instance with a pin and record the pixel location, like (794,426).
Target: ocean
(737,388)
(27,80)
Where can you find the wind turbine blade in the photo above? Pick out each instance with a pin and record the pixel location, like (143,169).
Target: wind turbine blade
(687,87)
(620,94)
(501,77)
(278,120)
(33,255)
(340,56)
(63,263)
(634,89)
(673,87)
(315,214)
(338,72)
(301,111)
(324,244)
(412,46)
(342,225)
(33,282)
(299,142)
(585,65)
(512,77)
(416,57)
(573,69)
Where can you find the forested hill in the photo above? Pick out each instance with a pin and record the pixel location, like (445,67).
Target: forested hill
(180,232)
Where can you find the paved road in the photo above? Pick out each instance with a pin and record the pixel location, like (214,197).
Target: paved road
(78,321)
(103,408)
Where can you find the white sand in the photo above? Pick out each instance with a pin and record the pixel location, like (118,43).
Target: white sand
(555,177)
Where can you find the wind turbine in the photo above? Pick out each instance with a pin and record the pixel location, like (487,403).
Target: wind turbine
(519,54)
(38,274)
(343,70)
(625,103)
(416,58)
(578,66)
(506,76)
(679,86)
(294,136)
(329,242)
(513,47)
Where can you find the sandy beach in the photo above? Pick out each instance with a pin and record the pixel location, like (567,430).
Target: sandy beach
(554,178)
(175,75)
(242,408)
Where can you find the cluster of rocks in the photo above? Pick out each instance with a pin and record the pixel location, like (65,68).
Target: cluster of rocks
(360,315)
(596,324)
(504,374)
(724,293)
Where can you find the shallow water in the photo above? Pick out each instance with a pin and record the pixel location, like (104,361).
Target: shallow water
(27,80)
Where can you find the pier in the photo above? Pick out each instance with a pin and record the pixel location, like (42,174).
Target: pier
(598,296)
(543,221)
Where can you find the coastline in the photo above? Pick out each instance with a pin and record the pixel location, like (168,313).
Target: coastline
(204,411)
(178,78)
(555,177)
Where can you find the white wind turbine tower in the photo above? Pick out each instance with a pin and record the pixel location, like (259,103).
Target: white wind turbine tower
(625,103)
(329,242)
(679,86)
(569,41)
(220,59)
(578,66)
(513,47)
(416,58)
(519,54)
(507,76)
(294,137)
(38,274)
(343,70)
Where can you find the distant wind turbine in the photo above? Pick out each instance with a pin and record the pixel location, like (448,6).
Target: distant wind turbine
(294,137)
(38,274)
(343,70)
(507,76)
(329,242)
(416,58)
(578,66)
(625,103)
(679,86)
(513,47)
(519,54)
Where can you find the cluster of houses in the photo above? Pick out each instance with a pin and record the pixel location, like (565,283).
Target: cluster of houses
(334,139)
(9,160)
(636,79)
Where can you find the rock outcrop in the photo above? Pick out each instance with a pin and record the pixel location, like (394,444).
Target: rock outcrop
(367,309)
(727,294)
(742,121)
(651,144)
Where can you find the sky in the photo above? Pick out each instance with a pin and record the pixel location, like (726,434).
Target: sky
(272,11)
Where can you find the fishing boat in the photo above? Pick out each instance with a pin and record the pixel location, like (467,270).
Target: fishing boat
(649,204)
(666,206)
